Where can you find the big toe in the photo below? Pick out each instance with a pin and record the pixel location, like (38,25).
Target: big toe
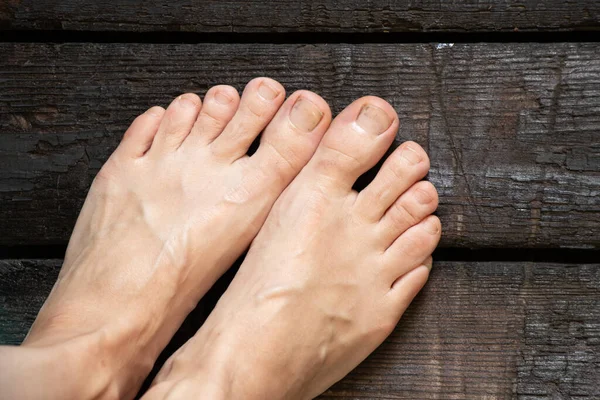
(356,140)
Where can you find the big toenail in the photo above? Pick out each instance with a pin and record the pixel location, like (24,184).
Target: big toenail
(187,101)
(431,226)
(305,115)
(267,92)
(423,197)
(222,98)
(411,155)
(373,120)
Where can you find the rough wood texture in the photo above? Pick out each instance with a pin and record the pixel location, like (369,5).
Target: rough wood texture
(513,131)
(302,16)
(478,330)
(24,285)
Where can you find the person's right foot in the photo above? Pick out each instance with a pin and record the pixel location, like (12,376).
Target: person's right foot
(328,276)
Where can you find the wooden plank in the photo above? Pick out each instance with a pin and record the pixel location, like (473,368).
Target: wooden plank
(24,285)
(478,330)
(304,16)
(513,130)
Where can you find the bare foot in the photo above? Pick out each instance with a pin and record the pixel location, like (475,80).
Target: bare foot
(328,276)
(169,212)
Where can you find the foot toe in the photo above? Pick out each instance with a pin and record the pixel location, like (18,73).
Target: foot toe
(292,136)
(140,135)
(220,104)
(409,209)
(412,247)
(355,141)
(406,287)
(405,166)
(177,122)
(260,101)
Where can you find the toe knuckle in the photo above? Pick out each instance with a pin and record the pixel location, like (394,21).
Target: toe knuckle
(402,215)
(255,109)
(396,168)
(212,118)
(418,242)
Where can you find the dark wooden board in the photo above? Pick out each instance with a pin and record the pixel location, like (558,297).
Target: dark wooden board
(24,285)
(478,330)
(302,16)
(513,130)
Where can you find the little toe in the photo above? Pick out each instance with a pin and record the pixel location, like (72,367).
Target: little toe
(138,138)
(292,136)
(405,166)
(412,207)
(355,141)
(219,106)
(412,247)
(177,123)
(406,287)
(260,101)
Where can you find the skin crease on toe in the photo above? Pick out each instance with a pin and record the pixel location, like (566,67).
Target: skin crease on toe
(328,276)
(169,212)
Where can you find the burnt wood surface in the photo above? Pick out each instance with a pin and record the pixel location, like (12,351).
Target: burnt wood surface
(302,16)
(478,330)
(513,130)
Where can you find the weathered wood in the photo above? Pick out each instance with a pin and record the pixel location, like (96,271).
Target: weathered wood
(478,330)
(491,330)
(302,16)
(513,131)
(24,285)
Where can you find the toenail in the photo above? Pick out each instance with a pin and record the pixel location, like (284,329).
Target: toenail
(429,264)
(222,98)
(423,197)
(267,92)
(187,101)
(155,111)
(305,115)
(373,119)
(431,226)
(411,155)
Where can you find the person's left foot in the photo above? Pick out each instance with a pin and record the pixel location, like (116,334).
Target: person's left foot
(169,212)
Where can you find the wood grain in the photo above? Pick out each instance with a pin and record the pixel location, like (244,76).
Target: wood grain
(24,285)
(478,330)
(302,16)
(513,130)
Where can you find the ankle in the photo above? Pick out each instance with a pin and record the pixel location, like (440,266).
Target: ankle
(97,363)
(71,370)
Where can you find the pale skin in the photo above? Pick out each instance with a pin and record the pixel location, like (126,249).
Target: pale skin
(328,275)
